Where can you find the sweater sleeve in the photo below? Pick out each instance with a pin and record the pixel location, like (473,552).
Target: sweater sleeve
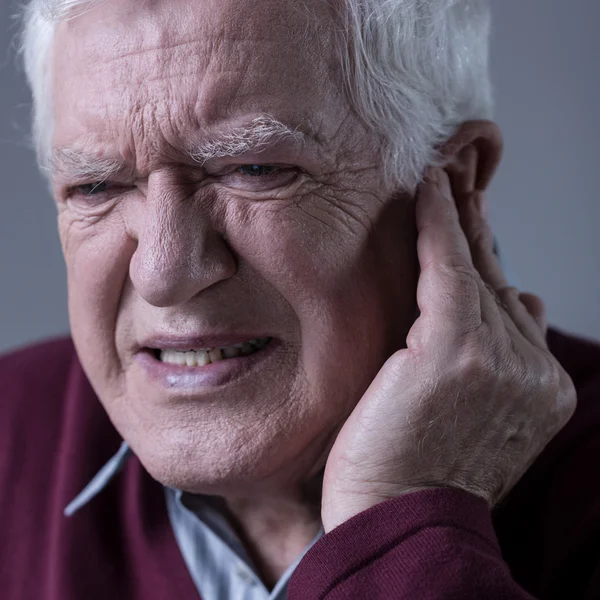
(433,544)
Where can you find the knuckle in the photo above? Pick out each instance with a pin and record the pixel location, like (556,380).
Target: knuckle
(395,365)
(486,354)
(480,237)
(414,341)
(508,292)
(508,296)
(474,362)
(567,400)
(459,294)
(550,378)
(560,394)
(455,265)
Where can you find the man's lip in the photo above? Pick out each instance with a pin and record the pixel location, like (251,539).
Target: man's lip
(200,341)
(200,380)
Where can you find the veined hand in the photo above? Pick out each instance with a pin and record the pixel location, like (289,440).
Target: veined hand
(474,397)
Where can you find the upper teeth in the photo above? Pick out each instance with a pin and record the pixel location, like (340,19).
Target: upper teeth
(199,357)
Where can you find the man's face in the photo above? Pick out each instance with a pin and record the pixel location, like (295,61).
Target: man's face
(313,254)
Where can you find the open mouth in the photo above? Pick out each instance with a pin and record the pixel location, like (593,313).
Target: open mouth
(200,357)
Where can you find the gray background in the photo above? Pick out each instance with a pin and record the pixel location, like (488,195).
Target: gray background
(544,202)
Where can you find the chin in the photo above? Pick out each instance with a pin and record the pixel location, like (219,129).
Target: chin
(227,465)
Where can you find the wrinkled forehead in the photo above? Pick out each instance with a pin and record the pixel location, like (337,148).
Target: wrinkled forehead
(215,58)
(115,29)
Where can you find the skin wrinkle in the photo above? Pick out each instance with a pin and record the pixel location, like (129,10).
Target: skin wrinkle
(332,210)
(260,136)
(299,267)
(396,21)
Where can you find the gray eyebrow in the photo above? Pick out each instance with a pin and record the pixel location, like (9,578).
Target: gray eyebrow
(255,137)
(260,133)
(83,166)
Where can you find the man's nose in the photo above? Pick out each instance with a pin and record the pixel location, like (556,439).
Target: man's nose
(179,252)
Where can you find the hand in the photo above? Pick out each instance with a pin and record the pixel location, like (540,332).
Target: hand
(475,396)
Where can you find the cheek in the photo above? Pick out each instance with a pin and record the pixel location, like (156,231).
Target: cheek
(97,256)
(303,260)
(321,259)
(351,287)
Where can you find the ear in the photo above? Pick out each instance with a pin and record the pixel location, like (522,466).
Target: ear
(471,156)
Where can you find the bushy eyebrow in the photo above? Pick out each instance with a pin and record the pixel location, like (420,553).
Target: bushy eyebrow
(259,134)
(83,166)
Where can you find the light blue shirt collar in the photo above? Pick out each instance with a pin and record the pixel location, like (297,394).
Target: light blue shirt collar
(101,480)
(212,552)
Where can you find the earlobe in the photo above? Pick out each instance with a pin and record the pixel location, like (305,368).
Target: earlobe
(472,155)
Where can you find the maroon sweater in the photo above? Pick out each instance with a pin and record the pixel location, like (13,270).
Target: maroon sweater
(542,542)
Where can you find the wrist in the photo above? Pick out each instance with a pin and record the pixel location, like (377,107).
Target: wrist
(341,507)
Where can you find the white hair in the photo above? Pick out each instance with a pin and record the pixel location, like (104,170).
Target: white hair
(255,137)
(414,71)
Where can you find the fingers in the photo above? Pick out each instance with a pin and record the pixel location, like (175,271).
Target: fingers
(472,211)
(535,307)
(440,236)
(456,254)
(481,244)
(448,291)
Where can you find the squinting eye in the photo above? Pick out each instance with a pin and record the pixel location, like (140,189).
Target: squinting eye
(257,170)
(90,189)
(260,178)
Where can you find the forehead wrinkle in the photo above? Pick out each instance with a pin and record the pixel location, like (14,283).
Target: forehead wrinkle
(213,41)
(241,81)
(159,49)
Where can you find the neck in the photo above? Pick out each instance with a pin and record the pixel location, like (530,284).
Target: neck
(275,530)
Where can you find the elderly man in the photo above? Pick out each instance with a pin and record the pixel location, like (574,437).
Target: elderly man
(313,378)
